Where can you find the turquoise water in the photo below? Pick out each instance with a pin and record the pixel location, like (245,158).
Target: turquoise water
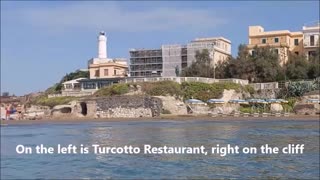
(160,133)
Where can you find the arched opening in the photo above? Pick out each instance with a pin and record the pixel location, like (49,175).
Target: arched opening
(84,109)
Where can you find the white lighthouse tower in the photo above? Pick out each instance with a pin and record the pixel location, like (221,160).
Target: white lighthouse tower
(103,67)
(102,45)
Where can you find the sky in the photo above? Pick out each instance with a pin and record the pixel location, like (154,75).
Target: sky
(42,41)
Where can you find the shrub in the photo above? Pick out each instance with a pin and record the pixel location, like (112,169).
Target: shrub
(204,91)
(249,89)
(245,109)
(299,88)
(116,89)
(51,102)
(162,88)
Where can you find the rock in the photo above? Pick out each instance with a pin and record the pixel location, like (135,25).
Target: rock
(305,109)
(275,107)
(175,106)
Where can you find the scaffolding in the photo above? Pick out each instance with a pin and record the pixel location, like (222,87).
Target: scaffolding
(172,60)
(146,63)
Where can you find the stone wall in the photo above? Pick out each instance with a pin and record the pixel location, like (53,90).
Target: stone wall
(124,106)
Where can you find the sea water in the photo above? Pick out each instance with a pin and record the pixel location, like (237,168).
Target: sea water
(275,133)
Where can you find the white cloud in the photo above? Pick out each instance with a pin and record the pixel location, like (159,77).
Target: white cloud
(112,17)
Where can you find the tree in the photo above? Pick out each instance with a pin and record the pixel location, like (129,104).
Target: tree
(201,67)
(314,64)
(297,67)
(266,64)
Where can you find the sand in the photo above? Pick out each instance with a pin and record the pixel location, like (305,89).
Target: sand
(162,118)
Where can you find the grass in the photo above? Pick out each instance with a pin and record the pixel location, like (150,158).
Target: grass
(51,102)
(116,89)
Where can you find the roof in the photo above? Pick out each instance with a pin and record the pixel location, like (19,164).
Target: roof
(102,79)
(274,33)
(211,39)
(73,81)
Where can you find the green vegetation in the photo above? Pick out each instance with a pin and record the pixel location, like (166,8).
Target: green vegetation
(245,109)
(297,89)
(204,91)
(262,66)
(186,90)
(162,88)
(51,102)
(200,68)
(117,89)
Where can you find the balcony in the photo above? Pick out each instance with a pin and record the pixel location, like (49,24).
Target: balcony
(310,44)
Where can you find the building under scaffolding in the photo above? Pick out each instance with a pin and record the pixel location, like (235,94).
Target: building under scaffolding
(170,60)
(146,62)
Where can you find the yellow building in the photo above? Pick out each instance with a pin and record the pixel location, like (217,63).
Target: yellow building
(108,69)
(283,41)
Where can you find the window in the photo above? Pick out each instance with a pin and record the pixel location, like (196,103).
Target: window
(253,53)
(297,53)
(276,51)
(312,40)
(106,72)
(115,72)
(264,40)
(96,73)
(312,53)
(276,40)
(89,85)
(296,42)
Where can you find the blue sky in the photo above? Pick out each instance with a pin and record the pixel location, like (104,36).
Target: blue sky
(42,41)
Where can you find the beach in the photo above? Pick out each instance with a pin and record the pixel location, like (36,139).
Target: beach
(161,118)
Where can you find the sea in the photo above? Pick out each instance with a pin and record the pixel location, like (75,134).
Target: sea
(19,163)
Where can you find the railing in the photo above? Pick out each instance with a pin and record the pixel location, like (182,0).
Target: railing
(310,44)
(184,79)
(75,93)
(279,85)
(262,86)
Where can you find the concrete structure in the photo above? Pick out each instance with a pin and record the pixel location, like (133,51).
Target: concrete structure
(311,39)
(283,41)
(170,60)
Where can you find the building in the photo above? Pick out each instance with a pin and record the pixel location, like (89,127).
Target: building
(282,41)
(311,39)
(104,67)
(104,71)
(145,62)
(170,60)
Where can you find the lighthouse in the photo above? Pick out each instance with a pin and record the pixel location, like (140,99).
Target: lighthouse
(102,45)
(103,67)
